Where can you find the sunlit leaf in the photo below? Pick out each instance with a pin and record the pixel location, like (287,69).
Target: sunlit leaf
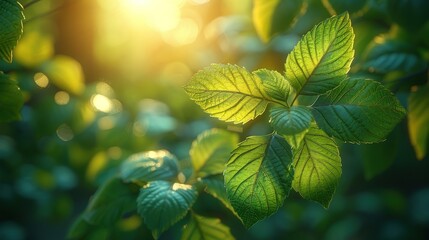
(11,99)
(358,111)
(33,49)
(210,151)
(214,185)
(11,27)
(317,167)
(295,140)
(322,58)
(418,120)
(65,73)
(162,204)
(203,228)
(150,166)
(271,17)
(258,177)
(228,92)
(290,121)
(111,201)
(276,86)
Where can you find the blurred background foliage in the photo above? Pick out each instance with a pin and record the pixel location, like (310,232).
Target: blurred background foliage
(103,79)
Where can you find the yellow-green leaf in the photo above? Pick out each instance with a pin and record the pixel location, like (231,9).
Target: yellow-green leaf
(322,58)
(418,120)
(203,228)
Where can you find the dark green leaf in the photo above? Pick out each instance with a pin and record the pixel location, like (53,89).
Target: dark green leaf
(276,86)
(111,201)
(317,167)
(228,92)
(12,15)
(271,17)
(211,150)
(322,58)
(150,166)
(358,111)
(215,186)
(162,204)
(418,120)
(258,177)
(11,99)
(290,121)
(202,228)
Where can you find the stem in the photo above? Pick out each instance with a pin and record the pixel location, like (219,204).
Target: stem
(30,3)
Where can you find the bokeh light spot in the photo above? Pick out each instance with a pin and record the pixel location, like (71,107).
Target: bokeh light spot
(41,80)
(62,98)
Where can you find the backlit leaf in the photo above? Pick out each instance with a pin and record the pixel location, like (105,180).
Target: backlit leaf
(322,58)
(210,151)
(111,201)
(290,121)
(203,228)
(274,16)
(358,111)
(276,86)
(65,73)
(317,167)
(228,92)
(150,166)
(418,120)
(11,99)
(162,204)
(11,27)
(258,177)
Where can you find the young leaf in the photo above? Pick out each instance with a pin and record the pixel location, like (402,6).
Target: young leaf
(228,92)
(321,60)
(258,177)
(274,16)
(11,99)
(205,228)
(150,166)
(211,150)
(317,167)
(276,86)
(12,15)
(162,204)
(358,111)
(418,120)
(215,187)
(290,121)
(111,201)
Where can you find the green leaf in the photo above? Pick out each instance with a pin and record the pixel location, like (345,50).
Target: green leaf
(276,86)
(162,204)
(203,228)
(150,166)
(111,201)
(11,99)
(290,121)
(228,92)
(358,111)
(11,26)
(214,185)
(296,139)
(258,177)
(321,60)
(211,150)
(65,73)
(317,167)
(418,120)
(271,17)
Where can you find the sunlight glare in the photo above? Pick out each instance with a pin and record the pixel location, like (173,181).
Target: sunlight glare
(102,103)
(161,15)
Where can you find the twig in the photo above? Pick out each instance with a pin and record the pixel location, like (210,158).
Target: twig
(30,3)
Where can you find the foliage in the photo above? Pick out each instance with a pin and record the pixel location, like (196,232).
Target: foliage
(260,172)
(166,196)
